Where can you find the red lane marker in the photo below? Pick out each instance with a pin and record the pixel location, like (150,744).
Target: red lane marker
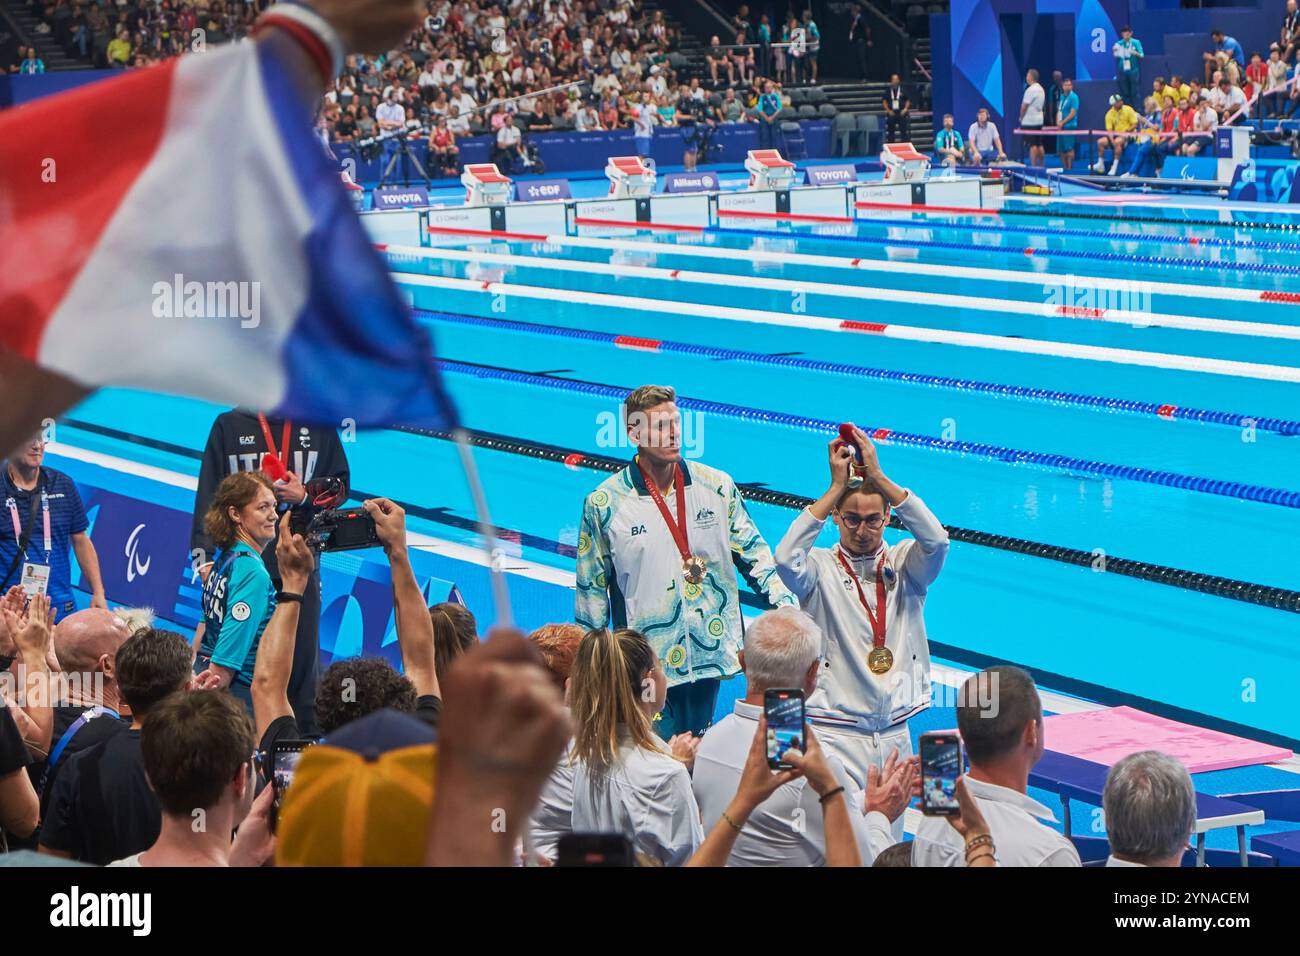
(849,325)
(487,285)
(574,460)
(855,262)
(632,342)
(881,434)
(1166,411)
(794,217)
(1192,240)
(491,233)
(1279,297)
(584,221)
(1029,252)
(675,273)
(921,207)
(381,246)
(1080,312)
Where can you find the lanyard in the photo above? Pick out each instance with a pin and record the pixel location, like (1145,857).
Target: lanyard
(877,623)
(283,453)
(17,522)
(678,527)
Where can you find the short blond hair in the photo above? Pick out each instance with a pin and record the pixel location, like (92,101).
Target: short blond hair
(645,397)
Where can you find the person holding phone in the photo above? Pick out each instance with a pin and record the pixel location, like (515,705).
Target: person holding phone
(1000,720)
(625,779)
(782,663)
(868,598)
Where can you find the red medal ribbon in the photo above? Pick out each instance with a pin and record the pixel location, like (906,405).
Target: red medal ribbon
(877,624)
(283,453)
(678,527)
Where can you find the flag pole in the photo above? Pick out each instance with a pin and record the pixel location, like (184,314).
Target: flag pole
(486,529)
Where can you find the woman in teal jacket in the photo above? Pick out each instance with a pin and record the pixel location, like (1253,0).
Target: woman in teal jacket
(238,597)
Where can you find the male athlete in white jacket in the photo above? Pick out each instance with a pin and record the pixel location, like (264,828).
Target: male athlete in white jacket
(877,664)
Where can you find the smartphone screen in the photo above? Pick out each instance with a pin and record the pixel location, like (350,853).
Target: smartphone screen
(284,760)
(594,849)
(785,723)
(941,765)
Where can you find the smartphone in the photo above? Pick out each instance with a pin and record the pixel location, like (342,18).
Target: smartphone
(941,765)
(284,760)
(783,707)
(594,849)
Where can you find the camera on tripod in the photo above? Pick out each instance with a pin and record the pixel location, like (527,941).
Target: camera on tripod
(326,527)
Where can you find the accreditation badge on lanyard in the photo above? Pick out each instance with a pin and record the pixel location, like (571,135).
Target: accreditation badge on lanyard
(35,576)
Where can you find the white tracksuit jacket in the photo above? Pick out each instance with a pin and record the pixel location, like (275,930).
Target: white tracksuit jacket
(829,595)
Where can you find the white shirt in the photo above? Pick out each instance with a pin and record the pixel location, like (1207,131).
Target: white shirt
(1019,838)
(390,112)
(129,860)
(508,137)
(787,828)
(643,121)
(647,797)
(1231,101)
(553,816)
(829,595)
(1033,102)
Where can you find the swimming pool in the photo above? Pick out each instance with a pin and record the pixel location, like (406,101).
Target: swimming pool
(1124,390)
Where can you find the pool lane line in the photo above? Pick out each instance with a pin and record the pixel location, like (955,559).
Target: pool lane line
(981,340)
(1066,464)
(1013,276)
(1282,599)
(941,300)
(1101,284)
(1066,232)
(1259,268)
(525,568)
(1268,226)
(1281,426)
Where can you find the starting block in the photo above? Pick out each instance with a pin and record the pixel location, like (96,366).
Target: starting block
(485,185)
(630,178)
(903,164)
(769,170)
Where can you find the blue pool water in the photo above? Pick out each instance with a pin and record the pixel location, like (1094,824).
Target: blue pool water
(1154,417)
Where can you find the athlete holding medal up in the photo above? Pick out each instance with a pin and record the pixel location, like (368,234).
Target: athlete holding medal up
(869,598)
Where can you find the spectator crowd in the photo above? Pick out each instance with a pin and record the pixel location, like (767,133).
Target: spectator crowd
(1177,117)
(149,748)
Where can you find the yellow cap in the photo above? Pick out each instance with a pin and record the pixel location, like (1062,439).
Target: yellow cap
(346,809)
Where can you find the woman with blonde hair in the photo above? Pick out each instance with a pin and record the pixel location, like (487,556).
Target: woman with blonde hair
(625,779)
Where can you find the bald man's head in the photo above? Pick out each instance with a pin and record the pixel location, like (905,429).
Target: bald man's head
(82,639)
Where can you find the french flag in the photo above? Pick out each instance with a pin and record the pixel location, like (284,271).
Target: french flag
(180,229)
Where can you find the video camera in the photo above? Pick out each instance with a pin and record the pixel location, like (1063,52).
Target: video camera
(327,527)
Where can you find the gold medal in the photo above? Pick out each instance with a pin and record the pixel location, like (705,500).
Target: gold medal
(880,660)
(693,569)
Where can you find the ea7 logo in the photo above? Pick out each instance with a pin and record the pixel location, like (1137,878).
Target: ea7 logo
(638,529)
(75,909)
(248,439)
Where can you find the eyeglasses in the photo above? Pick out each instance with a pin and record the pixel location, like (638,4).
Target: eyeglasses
(853,522)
